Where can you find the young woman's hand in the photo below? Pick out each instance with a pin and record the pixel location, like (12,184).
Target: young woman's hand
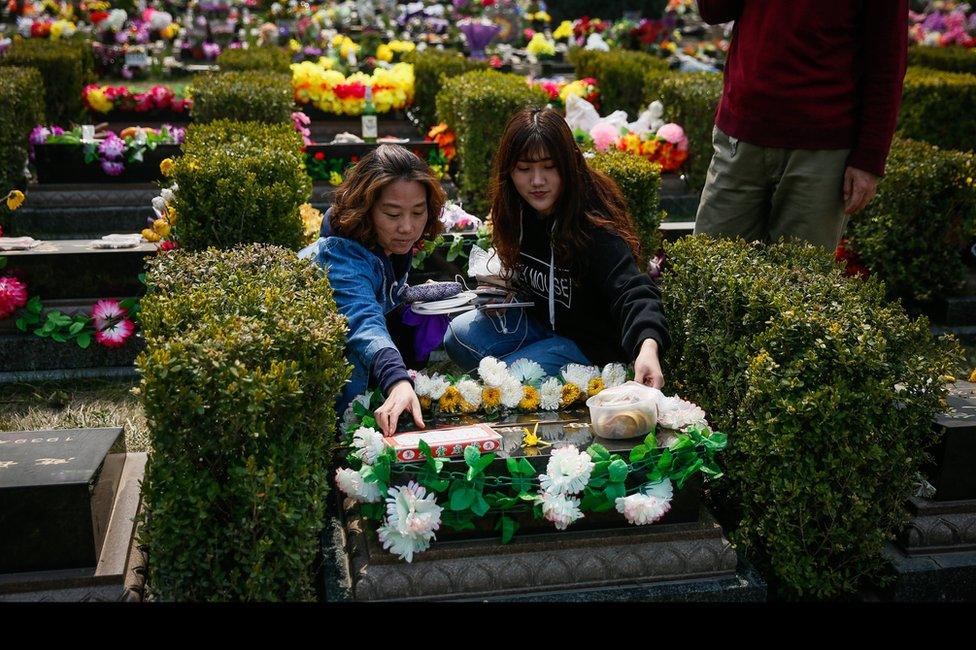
(647,366)
(400,398)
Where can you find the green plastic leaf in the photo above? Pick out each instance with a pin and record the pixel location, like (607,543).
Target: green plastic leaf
(75,328)
(479,506)
(618,471)
(598,452)
(34,305)
(84,340)
(471,455)
(462,498)
(526,467)
(615,491)
(638,453)
(509,527)
(3,262)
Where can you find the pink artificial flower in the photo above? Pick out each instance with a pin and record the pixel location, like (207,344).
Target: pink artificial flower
(108,312)
(675,135)
(115,336)
(13,296)
(604,136)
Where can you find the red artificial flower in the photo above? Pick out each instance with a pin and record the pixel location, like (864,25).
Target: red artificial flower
(166,246)
(487,3)
(354,159)
(319,155)
(98,16)
(13,296)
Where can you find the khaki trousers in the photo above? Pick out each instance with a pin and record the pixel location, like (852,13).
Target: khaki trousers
(767,194)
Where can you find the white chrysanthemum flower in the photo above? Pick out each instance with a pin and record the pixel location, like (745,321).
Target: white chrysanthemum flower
(676,413)
(560,509)
(527,371)
(349,416)
(550,394)
(422,385)
(511,392)
(493,372)
(614,374)
(168,193)
(647,506)
(159,206)
(575,373)
(368,443)
(438,384)
(568,471)
(412,516)
(351,482)
(471,392)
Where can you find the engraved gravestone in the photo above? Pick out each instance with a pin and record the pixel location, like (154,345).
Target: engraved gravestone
(57,489)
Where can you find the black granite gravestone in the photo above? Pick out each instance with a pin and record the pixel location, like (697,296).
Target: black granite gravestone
(954,471)
(57,489)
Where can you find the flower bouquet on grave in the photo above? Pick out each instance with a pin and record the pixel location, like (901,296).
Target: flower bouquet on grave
(478,33)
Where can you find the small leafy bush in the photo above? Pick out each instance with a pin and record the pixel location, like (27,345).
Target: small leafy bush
(476,106)
(827,392)
(937,107)
(912,234)
(690,100)
(21,109)
(240,182)
(620,75)
(240,376)
(246,96)
(65,66)
(947,59)
(640,181)
(267,59)
(430,69)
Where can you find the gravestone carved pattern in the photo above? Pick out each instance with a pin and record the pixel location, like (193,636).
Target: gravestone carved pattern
(940,526)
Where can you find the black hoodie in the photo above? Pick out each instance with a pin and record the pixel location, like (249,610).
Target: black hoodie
(606,305)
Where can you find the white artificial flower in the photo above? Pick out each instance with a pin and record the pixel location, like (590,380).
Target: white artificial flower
(349,416)
(422,385)
(575,373)
(676,413)
(368,443)
(116,18)
(550,394)
(560,509)
(169,193)
(511,392)
(471,392)
(648,505)
(493,372)
(568,471)
(412,516)
(527,371)
(438,384)
(159,206)
(351,482)
(614,374)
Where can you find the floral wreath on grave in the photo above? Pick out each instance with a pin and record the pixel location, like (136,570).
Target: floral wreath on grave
(332,92)
(111,322)
(409,501)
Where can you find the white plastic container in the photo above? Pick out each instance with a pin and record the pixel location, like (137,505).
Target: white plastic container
(627,411)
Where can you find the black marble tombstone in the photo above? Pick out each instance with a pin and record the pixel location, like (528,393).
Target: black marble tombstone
(57,490)
(953,473)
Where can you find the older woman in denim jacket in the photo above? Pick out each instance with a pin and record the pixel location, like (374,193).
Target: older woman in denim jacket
(388,203)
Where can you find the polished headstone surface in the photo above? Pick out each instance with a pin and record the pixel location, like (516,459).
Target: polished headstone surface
(954,471)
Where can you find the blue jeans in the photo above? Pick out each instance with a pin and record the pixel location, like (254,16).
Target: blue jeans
(474,335)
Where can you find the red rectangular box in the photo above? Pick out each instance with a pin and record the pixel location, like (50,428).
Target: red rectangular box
(445,443)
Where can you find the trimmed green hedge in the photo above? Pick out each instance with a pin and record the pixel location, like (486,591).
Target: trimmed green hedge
(690,100)
(827,392)
(430,69)
(476,106)
(240,376)
(66,67)
(240,182)
(246,96)
(640,181)
(619,75)
(948,59)
(937,107)
(913,232)
(266,59)
(21,109)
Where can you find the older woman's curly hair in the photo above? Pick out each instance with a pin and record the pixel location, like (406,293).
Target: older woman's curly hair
(354,200)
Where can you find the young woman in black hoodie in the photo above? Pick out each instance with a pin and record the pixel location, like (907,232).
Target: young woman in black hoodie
(566,241)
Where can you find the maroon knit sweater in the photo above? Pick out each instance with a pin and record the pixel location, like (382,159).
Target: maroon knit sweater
(814,74)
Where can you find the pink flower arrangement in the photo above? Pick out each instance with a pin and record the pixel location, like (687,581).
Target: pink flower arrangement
(13,296)
(604,136)
(113,327)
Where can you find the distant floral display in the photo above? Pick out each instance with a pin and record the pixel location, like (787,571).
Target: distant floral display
(330,91)
(104,99)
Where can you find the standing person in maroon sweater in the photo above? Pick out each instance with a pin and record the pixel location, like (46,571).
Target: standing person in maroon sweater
(811,99)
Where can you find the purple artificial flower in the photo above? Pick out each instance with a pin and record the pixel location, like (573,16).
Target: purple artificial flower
(126,72)
(177,133)
(111,148)
(934,22)
(57,130)
(39,135)
(112,168)
(478,34)
(460,4)
(122,37)
(142,35)
(312,51)
(201,21)
(211,51)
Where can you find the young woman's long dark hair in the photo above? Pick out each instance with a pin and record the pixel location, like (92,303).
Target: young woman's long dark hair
(588,197)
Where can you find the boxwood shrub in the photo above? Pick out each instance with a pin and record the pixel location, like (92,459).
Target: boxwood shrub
(690,99)
(21,108)
(640,181)
(242,368)
(476,106)
(827,391)
(247,96)
(267,59)
(65,66)
(430,69)
(948,59)
(240,182)
(937,107)
(619,75)
(913,233)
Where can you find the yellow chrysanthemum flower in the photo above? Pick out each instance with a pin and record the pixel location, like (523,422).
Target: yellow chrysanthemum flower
(595,386)
(451,401)
(171,214)
(335,179)
(571,395)
(99,101)
(161,227)
(150,235)
(166,166)
(384,53)
(425,403)
(530,399)
(565,30)
(294,45)
(15,198)
(540,46)
(491,397)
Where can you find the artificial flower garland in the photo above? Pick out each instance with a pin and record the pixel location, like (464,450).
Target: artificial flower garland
(639,487)
(103,99)
(332,92)
(113,151)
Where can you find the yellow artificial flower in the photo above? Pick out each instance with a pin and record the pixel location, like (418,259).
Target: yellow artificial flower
(170,31)
(14,199)
(166,166)
(595,386)
(530,398)
(150,235)
(402,47)
(311,222)
(57,28)
(565,30)
(571,395)
(171,214)
(491,397)
(451,401)
(972,376)
(161,227)
(99,101)
(294,45)
(540,46)
(424,403)
(531,438)
(543,16)
(335,179)
(384,53)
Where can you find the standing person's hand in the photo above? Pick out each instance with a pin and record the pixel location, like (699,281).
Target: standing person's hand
(647,366)
(859,188)
(401,398)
